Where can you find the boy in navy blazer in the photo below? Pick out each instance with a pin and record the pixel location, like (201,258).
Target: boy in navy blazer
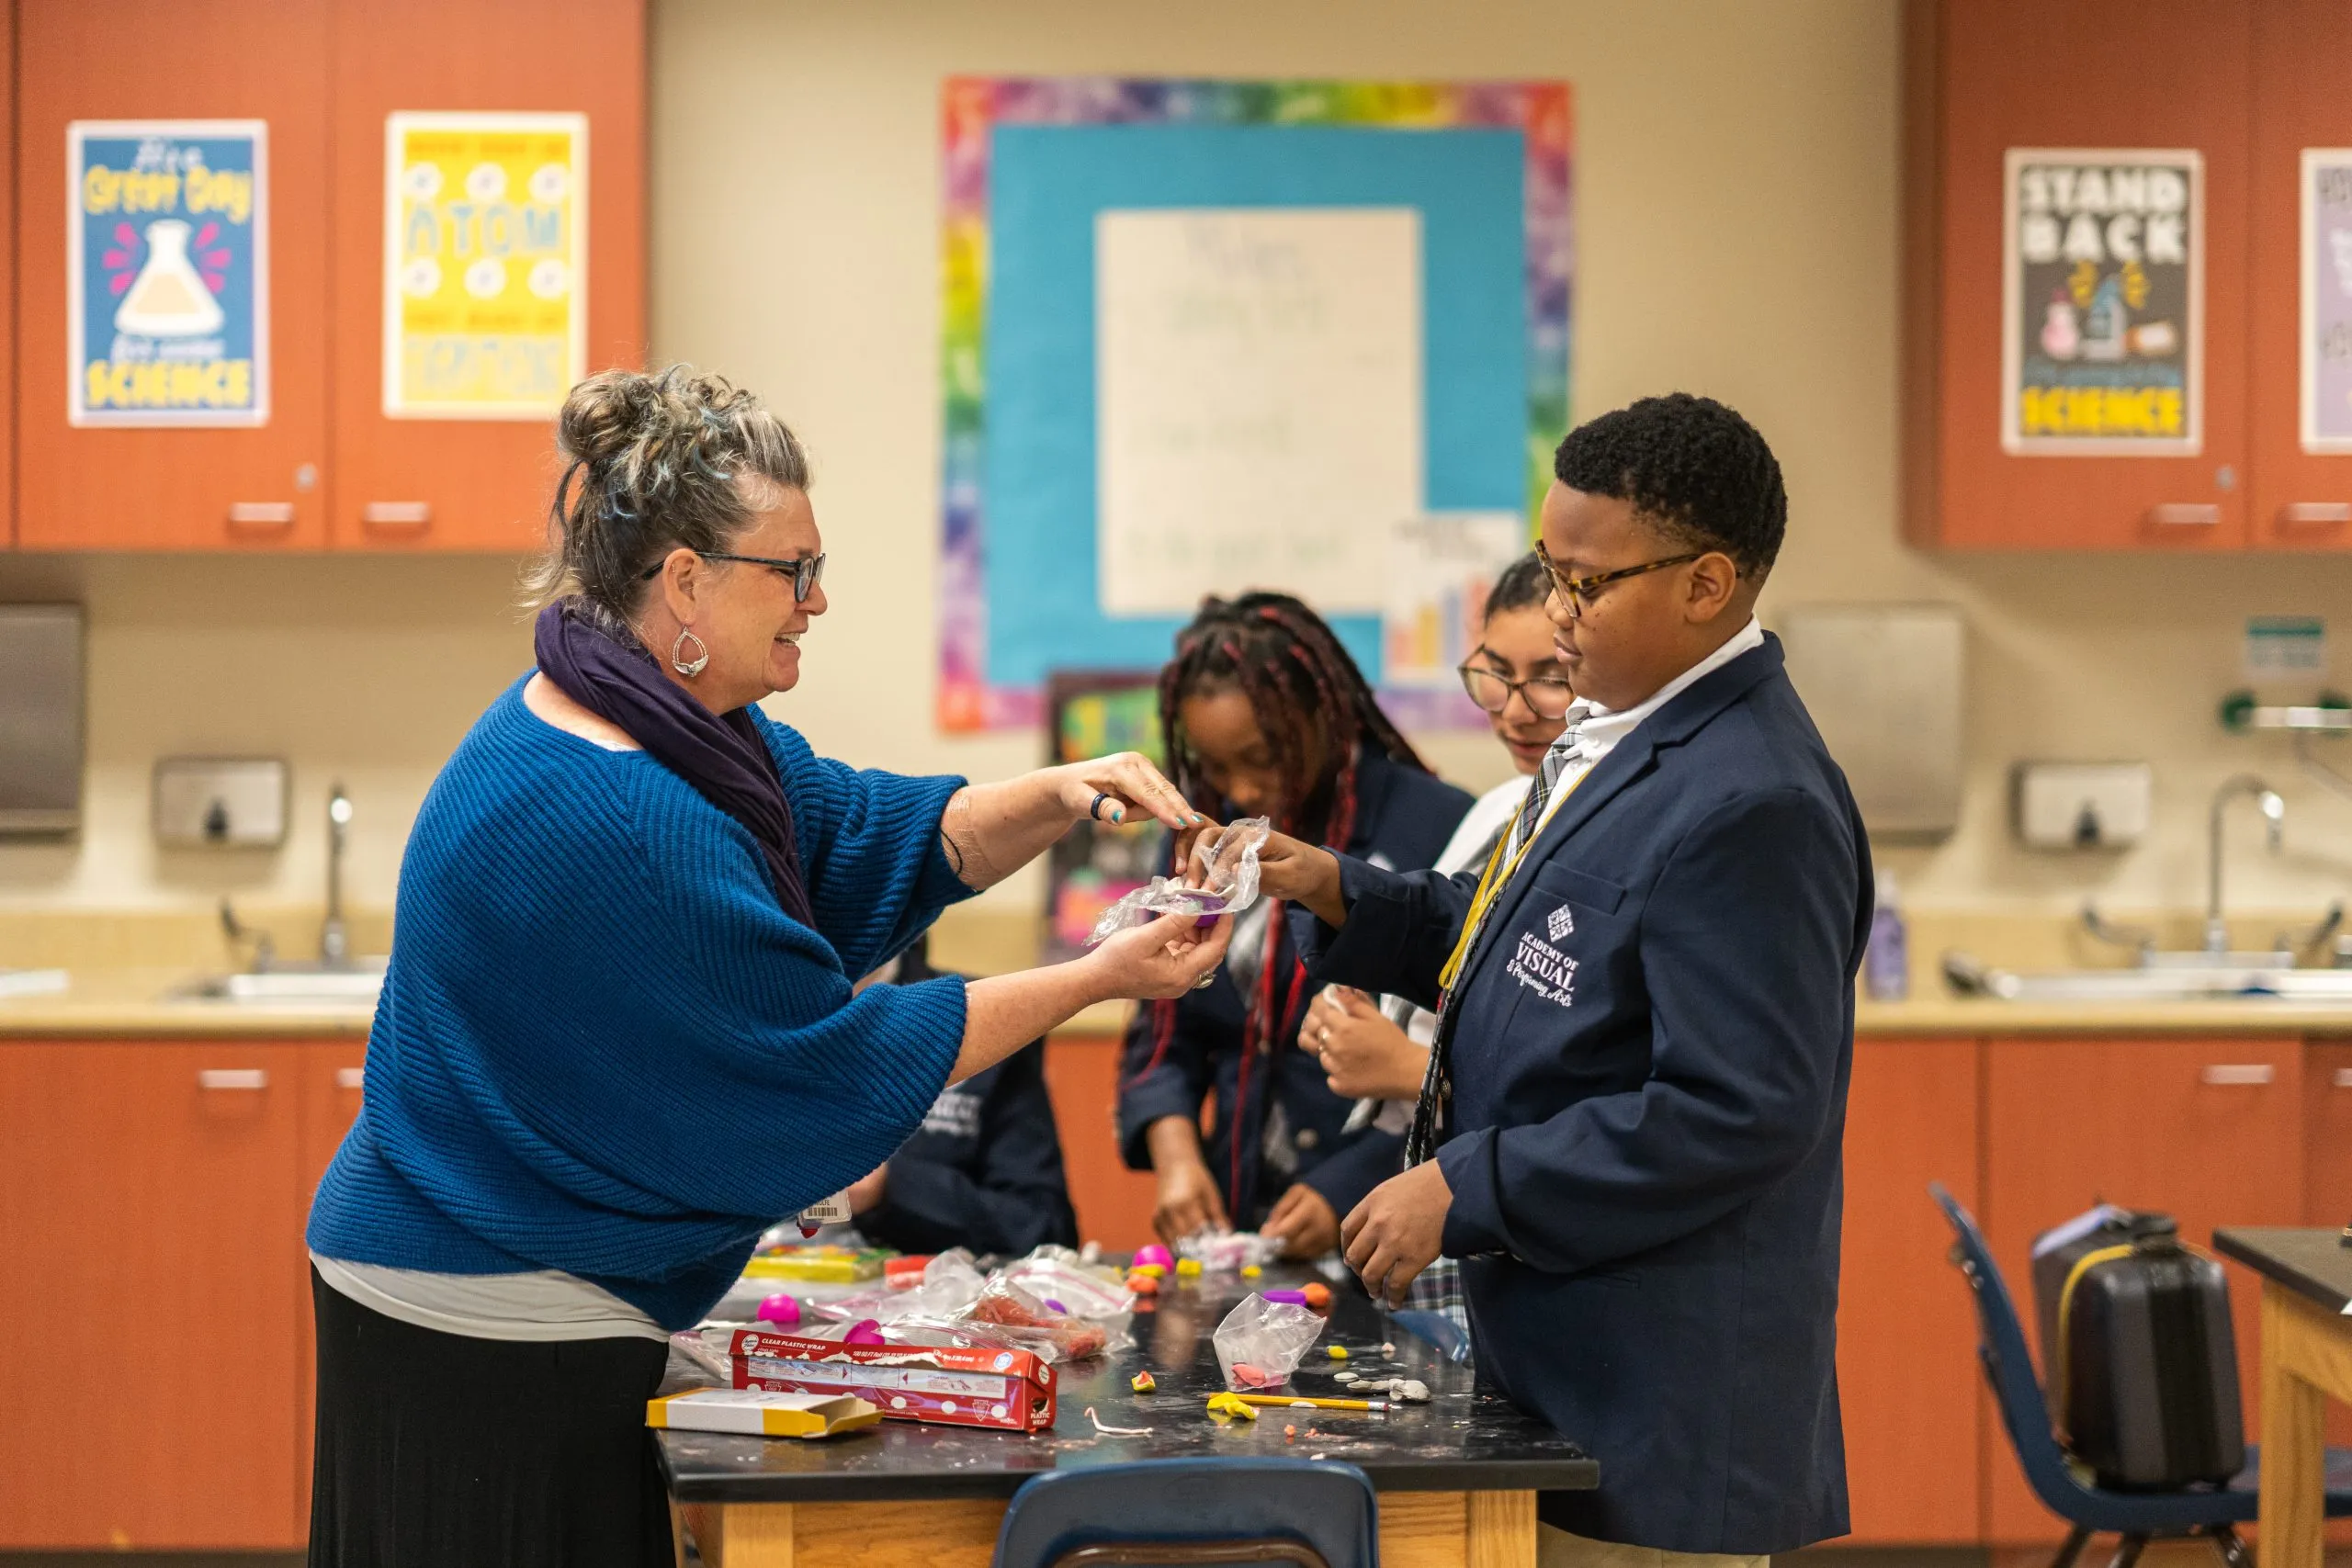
(1629,1134)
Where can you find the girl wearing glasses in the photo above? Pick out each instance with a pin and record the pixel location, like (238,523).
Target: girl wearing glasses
(1264,714)
(618,1037)
(1376,1049)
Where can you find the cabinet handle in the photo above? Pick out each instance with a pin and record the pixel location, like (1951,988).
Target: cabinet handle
(2255,1073)
(2185,515)
(261,515)
(350,1077)
(397,514)
(2343,1077)
(2314,513)
(232,1077)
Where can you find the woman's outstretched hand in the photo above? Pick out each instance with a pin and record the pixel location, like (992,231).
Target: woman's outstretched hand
(1125,784)
(1160,961)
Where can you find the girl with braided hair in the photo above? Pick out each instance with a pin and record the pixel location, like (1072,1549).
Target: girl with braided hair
(1264,714)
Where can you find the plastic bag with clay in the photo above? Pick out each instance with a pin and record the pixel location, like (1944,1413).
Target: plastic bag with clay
(1008,1309)
(951,1282)
(1261,1343)
(1225,862)
(1228,1252)
(1058,1276)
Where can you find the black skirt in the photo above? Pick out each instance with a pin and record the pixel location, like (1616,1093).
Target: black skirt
(437,1450)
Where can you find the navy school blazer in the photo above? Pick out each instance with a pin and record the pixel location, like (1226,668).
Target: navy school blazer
(1651,1047)
(1404,818)
(985,1168)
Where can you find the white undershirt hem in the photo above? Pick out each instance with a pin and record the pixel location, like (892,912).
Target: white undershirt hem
(543,1305)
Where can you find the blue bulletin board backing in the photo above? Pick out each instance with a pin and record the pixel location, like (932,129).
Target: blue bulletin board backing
(1032,162)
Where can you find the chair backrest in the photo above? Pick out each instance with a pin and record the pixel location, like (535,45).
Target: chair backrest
(2009,1366)
(1302,1510)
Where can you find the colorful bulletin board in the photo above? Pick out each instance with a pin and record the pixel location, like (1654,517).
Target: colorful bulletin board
(167,272)
(485,263)
(1149,282)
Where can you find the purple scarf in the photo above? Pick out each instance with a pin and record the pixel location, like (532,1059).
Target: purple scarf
(721,754)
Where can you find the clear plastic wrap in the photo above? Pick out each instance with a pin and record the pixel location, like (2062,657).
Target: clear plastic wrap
(1261,1343)
(951,1282)
(1227,1252)
(1225,862)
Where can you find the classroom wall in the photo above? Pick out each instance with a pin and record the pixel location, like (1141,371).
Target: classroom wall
(1736,209)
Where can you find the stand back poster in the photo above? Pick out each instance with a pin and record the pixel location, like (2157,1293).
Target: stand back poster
(167,273)
(2103,302)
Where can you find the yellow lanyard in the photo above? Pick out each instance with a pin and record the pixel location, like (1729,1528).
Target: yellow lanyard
(1490,886)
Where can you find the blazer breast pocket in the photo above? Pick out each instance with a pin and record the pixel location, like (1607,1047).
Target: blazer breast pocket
(1579,887)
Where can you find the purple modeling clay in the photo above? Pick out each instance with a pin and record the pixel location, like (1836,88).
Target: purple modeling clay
(1057,1306)
(1296,1298)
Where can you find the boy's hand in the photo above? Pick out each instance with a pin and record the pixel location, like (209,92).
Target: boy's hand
(1303,1222)
(1364,1055)
(1398,1230)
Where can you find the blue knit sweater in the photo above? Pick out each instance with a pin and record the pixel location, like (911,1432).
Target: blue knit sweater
(602,1047)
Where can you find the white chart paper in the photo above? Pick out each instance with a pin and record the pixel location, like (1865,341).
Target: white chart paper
(1259,395)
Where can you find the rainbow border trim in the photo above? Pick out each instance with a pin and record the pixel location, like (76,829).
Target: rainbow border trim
(972,106)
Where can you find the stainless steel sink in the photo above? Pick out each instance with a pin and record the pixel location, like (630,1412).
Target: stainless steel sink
(355,985)
(2158,984)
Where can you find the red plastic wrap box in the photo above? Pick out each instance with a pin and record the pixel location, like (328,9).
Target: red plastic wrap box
(1010,1390)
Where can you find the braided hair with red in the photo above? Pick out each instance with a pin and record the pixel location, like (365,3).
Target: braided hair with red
(1318,714)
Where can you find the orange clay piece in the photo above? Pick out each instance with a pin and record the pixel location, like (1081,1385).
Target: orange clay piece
(1317,1294)
(1143,1383)
(1143,1285)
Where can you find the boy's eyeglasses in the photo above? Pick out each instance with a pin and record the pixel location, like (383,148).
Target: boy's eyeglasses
(805,572)
(1546,696)
(1577,591)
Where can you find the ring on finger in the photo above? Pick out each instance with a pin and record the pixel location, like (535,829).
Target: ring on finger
(1204,982)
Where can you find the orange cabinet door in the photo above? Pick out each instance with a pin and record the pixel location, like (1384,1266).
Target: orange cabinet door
(263,487)
(2328,1133)
(7,264)
(2300,500)
(1114,1203)
(2208,1131)
(155,1186)
(474,484)
(2091,74)
(1907,1374)
(333,1076)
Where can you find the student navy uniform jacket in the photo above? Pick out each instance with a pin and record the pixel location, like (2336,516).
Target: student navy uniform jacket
(985,1168)
(1649,1062)
(1403,818)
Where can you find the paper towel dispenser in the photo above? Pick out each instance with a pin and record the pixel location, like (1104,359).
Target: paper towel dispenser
(1885,684)
(41,719)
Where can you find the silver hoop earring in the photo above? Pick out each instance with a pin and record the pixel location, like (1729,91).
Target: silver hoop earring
(678,660)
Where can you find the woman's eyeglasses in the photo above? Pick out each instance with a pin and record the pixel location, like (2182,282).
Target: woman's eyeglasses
(1546,696)
(1577,591)
(804,573)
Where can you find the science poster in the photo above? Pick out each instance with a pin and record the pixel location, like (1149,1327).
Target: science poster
(167,272)
(2327,299)
(485,263)
(2103,304)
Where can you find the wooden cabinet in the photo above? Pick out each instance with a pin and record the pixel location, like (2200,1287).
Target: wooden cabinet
(1989,75)
(475,484)
(8,266)
(328,467)
(333,1076)
(210,488)
(1907,1375)
(2300,500)
(2208,1131)
(149,1198)
(2328,1133)
(1114,1203)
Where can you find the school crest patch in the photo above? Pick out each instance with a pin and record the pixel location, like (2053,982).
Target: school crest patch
(1561,923)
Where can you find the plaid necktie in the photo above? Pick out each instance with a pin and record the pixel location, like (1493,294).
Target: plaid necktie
(1437,1082)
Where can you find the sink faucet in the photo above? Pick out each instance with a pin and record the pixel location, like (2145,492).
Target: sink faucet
(334,937)
(2274,815)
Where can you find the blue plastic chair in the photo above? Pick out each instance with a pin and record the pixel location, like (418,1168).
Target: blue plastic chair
(2137,1516)
(1235,1511)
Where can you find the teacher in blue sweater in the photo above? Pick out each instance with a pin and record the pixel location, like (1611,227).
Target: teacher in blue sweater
(619,1035)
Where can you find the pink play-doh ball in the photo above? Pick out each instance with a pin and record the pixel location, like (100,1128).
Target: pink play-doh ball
(780,1310)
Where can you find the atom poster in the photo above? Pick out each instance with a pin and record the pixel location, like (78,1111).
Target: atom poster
(485,263)
(2103,304)
(167,273)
